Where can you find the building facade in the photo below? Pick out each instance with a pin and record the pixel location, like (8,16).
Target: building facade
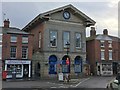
(59,42)
(16,51)
(103,53)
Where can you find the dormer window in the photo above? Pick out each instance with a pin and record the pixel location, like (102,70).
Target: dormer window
(102,43)
(110,44)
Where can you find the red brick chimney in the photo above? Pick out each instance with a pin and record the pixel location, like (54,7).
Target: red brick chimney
(6,23)
(105,32)
(92,31)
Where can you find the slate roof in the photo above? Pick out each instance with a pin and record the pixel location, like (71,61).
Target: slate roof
(12,30)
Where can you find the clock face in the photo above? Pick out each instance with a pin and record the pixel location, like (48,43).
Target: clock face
(66,15)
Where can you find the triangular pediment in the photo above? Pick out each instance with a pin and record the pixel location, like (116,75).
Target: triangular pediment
(76,16)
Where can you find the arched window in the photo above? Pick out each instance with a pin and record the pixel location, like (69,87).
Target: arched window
(66,64)
(78,64)
(52,64)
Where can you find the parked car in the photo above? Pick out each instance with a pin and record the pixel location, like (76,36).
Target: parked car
(113,85)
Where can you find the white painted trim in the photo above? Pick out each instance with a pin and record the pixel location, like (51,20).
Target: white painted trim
(57,21)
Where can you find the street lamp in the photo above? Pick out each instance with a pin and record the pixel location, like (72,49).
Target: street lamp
(67,44)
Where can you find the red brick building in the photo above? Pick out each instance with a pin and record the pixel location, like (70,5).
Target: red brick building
(103,53)
(16,47)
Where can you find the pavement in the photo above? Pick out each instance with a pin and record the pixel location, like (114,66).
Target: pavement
(71,81)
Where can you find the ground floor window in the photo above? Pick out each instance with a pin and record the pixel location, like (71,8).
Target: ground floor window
(52,64)
(66,64)
(78,64)
(18,68)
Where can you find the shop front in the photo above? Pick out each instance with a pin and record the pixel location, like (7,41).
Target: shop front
(18,68)
(104,69)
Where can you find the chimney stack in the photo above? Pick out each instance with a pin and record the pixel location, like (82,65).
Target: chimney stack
(105,32)
(92,31)
(6,23)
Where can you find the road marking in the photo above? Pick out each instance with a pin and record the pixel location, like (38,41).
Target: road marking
(81,82)
(53,87)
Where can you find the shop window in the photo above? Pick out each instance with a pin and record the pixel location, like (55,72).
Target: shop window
(25,39)
(13,52)
(17,69)
(53,38)
(24,52)
(13,38)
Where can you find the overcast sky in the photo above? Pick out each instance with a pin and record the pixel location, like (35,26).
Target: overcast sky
(21,13)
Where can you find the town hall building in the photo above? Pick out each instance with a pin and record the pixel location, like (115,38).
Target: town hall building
(59,43)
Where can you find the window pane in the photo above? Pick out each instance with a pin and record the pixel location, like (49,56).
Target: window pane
(102,55)
(0,51)
(13,38)
(0,37)
(24,39)
(53,38)
(66,38)
(78,40)
(24,52)
(78,68)
(13,52)
(110,55)
(39,39)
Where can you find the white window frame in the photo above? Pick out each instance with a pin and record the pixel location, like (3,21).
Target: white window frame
(102,42)
(39,39)
(102,58)
(25,39)
(110,56)
(1,37)
(13,53)
(76,38)
(13,38)
(1,52)
(68,41)
(51,38)
(110,44)
(26,54)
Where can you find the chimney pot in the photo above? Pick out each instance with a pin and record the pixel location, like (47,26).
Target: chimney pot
(6,23)
(92,31)
(105,32)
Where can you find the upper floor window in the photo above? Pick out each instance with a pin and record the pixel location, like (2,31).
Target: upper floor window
(39,39)
(53,38)
(0,51)
(78,40)
(66,38)
(24,52)
(13,38)
(13,52)
(110,54)
(110,44)
(0,37)
(25,39)
(102,54)
(102,43)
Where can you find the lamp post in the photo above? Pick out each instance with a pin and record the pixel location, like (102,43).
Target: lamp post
(67,44)
(67,62)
